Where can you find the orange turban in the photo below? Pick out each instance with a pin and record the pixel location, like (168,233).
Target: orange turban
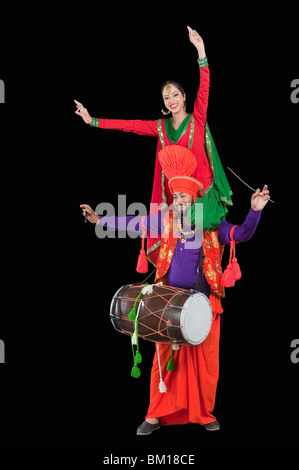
(178,164)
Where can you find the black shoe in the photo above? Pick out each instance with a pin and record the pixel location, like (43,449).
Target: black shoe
(214,426)
(147,428)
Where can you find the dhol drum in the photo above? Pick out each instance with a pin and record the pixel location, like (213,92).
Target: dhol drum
(166,314)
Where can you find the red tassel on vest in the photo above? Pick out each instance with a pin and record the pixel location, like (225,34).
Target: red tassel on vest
(142,263)
(233,271)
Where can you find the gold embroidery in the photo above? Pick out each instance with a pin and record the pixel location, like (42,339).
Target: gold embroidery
(191,132)
(169,239)
(212,261)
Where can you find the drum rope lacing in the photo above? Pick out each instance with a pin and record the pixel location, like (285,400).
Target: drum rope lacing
(134,316)
(140,311)
(167,306)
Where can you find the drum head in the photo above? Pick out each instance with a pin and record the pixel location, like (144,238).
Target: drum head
(196,318)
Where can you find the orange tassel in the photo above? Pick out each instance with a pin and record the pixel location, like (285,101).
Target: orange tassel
(142,263)
(228,277)
(233,271)
(236,269)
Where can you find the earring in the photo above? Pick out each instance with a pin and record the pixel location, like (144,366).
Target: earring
(185,106)
(165,112)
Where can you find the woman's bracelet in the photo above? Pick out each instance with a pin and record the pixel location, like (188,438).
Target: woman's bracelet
(94,122)
(203,62)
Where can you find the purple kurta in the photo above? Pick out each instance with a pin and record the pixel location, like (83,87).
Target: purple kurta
(185,260)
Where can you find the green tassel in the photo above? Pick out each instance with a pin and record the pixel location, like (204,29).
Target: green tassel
(135,372)
(132,314)
(171,365)
(138,358)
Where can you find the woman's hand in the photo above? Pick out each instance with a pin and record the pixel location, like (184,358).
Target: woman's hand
(260,198)
(81,111)
(197,41)
(90,213)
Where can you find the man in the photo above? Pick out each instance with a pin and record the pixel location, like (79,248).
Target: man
(187,255)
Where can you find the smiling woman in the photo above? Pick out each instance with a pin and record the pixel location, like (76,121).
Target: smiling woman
(185,130)
(174,97)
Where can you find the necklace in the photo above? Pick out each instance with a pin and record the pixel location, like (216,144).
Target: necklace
(183,238)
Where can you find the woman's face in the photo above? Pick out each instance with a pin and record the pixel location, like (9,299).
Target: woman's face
(173,99)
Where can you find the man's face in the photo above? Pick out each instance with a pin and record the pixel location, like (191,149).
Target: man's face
(182,202)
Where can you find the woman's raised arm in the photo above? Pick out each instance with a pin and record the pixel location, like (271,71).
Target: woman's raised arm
(201,101)
(197,42)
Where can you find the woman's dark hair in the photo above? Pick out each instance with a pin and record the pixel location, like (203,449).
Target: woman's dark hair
(176,84)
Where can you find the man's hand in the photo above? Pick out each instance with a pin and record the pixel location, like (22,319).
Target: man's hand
(90,213)
(260,198)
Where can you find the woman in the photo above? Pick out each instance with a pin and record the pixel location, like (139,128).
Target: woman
(187,130)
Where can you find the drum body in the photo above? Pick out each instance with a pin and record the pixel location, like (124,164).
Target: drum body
(166,315)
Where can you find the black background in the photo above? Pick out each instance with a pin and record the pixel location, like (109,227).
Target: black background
(66,383)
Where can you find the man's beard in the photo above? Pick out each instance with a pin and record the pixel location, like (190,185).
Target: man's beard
(182,209)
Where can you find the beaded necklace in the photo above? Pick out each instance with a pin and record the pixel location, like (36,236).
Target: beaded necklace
(183,238)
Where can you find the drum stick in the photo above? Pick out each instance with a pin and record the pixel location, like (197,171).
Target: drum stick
(244,182)
(85,216)
(147,277)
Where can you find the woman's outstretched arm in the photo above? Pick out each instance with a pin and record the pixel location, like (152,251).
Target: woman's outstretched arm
(137,126)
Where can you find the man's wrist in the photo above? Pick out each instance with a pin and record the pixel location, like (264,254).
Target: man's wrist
(255,210)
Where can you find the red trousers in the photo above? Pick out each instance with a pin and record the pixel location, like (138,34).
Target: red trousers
(191,387)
